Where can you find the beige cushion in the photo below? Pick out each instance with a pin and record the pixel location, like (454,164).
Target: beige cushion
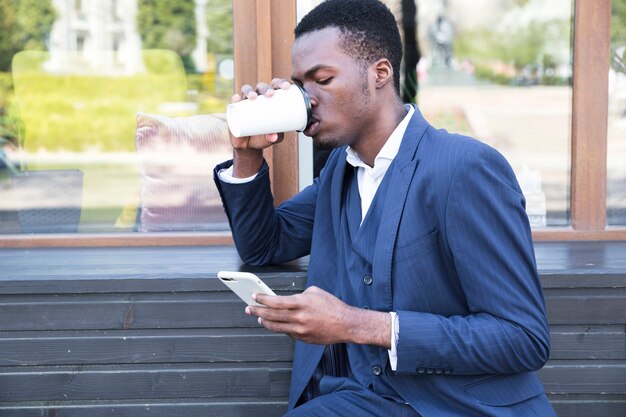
(177,156)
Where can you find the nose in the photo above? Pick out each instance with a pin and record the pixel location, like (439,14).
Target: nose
(310,91)
(314,100)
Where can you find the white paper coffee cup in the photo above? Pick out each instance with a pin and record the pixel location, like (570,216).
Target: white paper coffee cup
(286,111)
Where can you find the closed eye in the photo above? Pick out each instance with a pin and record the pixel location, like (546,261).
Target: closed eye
(324,81)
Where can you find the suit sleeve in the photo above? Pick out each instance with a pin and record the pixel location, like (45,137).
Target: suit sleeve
(264,235)
(505,329)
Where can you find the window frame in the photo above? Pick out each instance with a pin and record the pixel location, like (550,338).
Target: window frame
(263,51)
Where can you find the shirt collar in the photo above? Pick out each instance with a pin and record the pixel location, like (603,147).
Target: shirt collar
(390,148)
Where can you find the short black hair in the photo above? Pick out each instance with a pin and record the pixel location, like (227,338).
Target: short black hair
(368,27)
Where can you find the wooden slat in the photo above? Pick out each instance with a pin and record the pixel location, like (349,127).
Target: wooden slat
(191,311)
(185,239)
(589,113)
(264,40)
(580,377)
(589,406)
(101,348)
(569,234)
(20,267)
(596,258)
(147,383)
(290,281)
(244,43)
(285,155)
(591,309)
(263,55)
(181,313)
(171,408)
(593,279)
(106,240)
(587,342)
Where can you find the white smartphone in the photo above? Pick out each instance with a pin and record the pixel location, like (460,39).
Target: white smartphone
(244,284)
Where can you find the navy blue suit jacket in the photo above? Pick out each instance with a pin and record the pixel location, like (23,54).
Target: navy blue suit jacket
(454,258)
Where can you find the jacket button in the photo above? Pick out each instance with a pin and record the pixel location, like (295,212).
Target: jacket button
(367,280)
(438,370)
(366,307)
(447,371)
(376,370)
(421,370)
(430,370)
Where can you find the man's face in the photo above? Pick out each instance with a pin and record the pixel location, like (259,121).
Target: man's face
(339,88)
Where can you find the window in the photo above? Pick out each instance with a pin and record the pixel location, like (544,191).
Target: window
(581,180)
(119,131)
(80,41)
(504,77)
(526,77)
(79,9)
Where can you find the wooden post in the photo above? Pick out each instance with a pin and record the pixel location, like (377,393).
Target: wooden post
(589,113)
(263,51)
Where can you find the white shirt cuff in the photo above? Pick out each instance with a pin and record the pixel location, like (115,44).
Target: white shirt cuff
(395,332)
(226,175)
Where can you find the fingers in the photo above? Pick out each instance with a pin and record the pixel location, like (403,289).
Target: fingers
(285,321)
(249,92)
(278,301)
(278,83)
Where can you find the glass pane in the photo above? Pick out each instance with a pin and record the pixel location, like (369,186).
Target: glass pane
(616,162)
(500,71)
(111,114)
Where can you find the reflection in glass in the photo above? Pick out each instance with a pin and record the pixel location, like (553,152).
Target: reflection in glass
(74,97)
(616,160)
(500,72)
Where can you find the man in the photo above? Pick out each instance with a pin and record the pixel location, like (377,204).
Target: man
(422,296)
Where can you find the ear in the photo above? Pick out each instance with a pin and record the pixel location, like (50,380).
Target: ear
(384,72)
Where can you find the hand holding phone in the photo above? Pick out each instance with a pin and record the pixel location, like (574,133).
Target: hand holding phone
(244,284)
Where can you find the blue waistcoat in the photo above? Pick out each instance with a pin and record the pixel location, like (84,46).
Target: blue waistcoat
(358,286)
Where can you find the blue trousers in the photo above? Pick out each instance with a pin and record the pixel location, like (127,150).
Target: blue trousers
(345,397)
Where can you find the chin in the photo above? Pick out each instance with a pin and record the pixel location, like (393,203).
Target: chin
(325,144)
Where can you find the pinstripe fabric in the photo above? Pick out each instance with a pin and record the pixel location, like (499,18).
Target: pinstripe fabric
(344,397)
(453,257)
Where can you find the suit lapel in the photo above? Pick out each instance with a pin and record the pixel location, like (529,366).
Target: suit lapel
(336,191)
(402,174)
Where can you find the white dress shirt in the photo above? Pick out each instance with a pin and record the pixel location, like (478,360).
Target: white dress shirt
(368,180)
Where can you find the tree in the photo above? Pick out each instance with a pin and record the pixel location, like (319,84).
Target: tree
(168,24)
(219,18)
(618,23)
(24,24)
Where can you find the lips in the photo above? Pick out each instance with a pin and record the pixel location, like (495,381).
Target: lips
(313,128)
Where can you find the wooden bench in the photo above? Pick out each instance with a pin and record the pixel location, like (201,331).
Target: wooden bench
(151,332)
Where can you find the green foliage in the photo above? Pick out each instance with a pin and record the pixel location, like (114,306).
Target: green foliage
(219,18)
(10,123)
(35,19)
(168,24)
(6,88)
(520,3)
(520,49)
(618,22)
(86,112)
(8,33)
(24,24)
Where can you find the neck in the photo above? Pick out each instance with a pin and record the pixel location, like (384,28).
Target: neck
(387,121)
